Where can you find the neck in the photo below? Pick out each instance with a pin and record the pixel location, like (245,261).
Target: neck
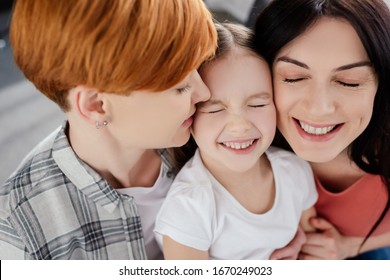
(254,188)
(121,167)
(338,174)
(232,179)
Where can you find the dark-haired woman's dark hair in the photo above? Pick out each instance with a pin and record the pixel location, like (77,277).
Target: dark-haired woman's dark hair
(230,35)
(284,20)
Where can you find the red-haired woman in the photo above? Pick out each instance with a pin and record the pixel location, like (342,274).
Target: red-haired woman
(124,72)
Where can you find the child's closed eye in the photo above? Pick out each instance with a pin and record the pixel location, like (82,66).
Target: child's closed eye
(257,105)
(213,111)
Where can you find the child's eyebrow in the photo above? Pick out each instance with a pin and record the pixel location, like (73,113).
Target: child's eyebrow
(211,102)
(262,95)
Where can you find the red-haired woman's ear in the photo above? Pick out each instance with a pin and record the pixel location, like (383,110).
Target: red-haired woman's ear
(87,103)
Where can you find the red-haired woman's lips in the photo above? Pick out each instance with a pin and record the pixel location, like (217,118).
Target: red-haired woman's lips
(188,122)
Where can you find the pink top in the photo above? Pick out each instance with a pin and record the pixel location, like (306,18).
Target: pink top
(355,210)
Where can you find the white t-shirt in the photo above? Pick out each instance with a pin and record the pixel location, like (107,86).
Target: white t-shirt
(148,202)
(200,213)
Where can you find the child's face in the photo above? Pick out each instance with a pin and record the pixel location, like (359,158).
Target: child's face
(237,124)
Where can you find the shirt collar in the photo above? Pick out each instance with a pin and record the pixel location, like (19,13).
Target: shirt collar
(81,174)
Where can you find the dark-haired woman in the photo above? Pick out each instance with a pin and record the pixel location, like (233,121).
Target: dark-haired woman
(331,69)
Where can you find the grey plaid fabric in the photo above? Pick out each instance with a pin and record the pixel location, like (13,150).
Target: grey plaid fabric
(56,207)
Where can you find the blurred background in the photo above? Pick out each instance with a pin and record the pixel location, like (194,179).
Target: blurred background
(26,116)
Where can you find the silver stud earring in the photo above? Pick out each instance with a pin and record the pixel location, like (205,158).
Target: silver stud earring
(97,124)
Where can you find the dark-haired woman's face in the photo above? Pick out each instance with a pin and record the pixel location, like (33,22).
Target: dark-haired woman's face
(324,90)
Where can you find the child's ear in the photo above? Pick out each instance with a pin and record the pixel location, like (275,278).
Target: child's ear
(88,104)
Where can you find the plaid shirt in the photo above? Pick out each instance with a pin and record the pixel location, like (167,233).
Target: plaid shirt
(57,207)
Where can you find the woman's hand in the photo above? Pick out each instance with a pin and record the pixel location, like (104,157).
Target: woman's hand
(291,251)
(327,243)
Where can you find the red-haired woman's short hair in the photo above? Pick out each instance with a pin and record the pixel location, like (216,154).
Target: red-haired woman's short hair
(115,46)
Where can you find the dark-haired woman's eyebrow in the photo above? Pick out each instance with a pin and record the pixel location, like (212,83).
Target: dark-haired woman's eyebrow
(353,65)
(341,68)
(293,61)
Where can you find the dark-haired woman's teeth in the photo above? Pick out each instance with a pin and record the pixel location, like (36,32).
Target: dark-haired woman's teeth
(316,130)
